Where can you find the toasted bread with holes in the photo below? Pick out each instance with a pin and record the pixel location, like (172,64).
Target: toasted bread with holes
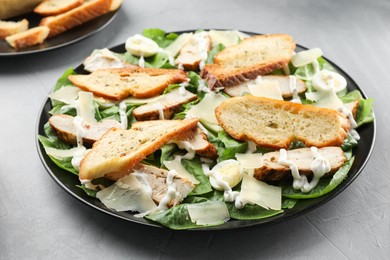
(28,38)
(282,81)
(156,178)
(254,56)
(63,127)
(118,84)
(199,142)
(119,151)
(194,52)
(166,106)
(276,123)
(8,28)
(76,16)
(271,170)
(54,7)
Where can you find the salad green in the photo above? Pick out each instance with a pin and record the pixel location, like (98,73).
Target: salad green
(227,147)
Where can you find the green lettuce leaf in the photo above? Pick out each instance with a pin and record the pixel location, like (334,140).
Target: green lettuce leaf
(324,186)
(194,167)
(217,48)
(160,37)
(365,113)
(227,147)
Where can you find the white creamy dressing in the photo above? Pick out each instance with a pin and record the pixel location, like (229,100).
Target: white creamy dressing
(176,165)
(202,86)
(205,131)
(80,130)
(320,166)
(299,180)
(219,184)
(171,194)
(141,61)
(294,90)
(202,39)
(122,114)
(102,59)
(252,147)
(78,156)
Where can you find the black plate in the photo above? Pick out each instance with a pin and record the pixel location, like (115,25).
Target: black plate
(68,37)
(68,181)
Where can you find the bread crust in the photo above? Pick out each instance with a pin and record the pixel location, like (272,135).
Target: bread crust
(111,156)
(118,84)
(9,28)
(47,7)
(224,73)
(276,123)
(76,16)
(33,36)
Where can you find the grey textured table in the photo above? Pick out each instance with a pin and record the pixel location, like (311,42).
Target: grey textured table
(39,220)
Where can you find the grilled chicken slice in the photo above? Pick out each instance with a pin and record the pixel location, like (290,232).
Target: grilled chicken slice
(166,106)
(302,158)
(64,127)
(199,142)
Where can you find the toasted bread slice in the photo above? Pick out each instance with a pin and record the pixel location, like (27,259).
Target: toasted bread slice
(302,158)
(276,124)
(156,178)
(167,106)
(119,150)
(283,82)
(76,16)
(63,126)
(54,7)
(194,52)
(254,56)
(8,28)
(115,5)
(117,84)
(199,142)
(28,38)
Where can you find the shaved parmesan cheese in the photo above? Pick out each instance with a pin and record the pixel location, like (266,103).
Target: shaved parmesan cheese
(250,160)
(227,38)
(180,170)
(66,94)
(173,49)
(208,213)
(305,57)
(261,193)
(128,193)
(102,59)
(61,154)
(86,110)
(205,108)
(266,88)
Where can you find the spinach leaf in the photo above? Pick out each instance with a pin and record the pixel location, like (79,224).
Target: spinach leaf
(159,36)
(195,168)
(217,48)
(324,186)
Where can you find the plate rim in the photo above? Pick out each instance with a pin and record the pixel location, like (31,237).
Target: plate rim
(243,224)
